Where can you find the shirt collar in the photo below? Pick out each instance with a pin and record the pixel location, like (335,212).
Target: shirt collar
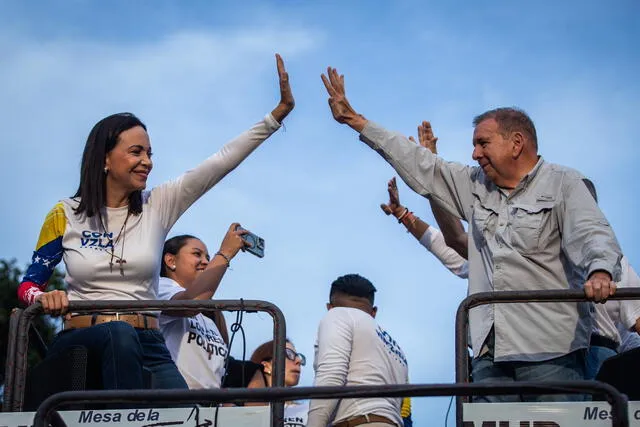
(532,173)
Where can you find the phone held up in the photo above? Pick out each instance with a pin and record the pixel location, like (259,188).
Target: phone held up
(256,244)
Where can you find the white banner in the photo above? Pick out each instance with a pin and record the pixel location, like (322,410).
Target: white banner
(574,414)
(249,416)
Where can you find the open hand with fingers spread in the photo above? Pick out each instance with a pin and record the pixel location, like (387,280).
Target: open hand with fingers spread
(426,137)
(342,111)
(393,207)
(287,102)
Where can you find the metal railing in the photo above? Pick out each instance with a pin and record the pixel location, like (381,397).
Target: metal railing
(619,410)
(19,337)
(9,370)
(505,297)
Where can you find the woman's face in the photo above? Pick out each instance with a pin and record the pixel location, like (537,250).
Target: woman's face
(189,262)
(292,368)
(129,162)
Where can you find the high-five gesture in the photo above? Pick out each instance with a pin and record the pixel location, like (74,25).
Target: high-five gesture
(340,107)
(393,207)
(426,137)
(286,97)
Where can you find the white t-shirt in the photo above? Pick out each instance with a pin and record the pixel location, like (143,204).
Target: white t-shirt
(195,343)
(352,349)
(295,414)
(86,248)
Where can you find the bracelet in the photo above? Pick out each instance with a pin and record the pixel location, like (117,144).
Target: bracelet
(406,210)
(409,221)
(226,258)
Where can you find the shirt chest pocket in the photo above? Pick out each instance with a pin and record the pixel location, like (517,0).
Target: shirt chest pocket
(526,225)
(484,225)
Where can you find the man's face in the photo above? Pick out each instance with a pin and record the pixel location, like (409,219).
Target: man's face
(493,152)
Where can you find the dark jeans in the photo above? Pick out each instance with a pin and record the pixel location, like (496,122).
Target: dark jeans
(570,367)
(123,352)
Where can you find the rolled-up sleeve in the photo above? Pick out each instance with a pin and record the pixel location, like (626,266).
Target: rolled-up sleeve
(426,174)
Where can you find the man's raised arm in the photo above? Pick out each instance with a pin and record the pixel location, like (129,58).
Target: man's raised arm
(425,173)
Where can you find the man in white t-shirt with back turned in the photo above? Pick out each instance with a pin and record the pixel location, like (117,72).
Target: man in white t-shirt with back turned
(352,349)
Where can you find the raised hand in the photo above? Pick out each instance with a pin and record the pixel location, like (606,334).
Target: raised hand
(342,111)
(287,102)
(393,207)
(426,137)
(233,241)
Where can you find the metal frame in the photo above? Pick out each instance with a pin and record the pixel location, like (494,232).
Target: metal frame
(619,409)
(9,370)
(17,360)
(482,298)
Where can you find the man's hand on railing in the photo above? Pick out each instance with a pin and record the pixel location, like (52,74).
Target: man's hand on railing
(599,287)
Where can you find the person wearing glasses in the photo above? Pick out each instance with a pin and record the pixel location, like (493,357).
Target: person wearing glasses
(295,413)
(293,363)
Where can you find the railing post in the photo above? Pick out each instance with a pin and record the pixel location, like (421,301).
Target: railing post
(9,369)
(15,400)
(503,297)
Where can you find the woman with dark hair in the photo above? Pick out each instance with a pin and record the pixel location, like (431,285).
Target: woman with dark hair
(110,235)
(198,343)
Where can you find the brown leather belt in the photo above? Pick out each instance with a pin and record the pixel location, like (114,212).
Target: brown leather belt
(137,320)
(364,419)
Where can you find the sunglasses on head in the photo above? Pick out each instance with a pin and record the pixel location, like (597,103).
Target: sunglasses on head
(291,355)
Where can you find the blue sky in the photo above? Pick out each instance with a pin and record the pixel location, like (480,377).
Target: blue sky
(200,72)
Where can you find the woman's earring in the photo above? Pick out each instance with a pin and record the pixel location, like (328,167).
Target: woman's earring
(106,170)
(172,268)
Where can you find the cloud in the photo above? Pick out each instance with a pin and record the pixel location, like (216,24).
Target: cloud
(192,87)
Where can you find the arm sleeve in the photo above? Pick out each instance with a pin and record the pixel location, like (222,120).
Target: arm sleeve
(335,340)
(47,255)
(433,240)
(167,288)
(173,198)
(427,174)
(587,238)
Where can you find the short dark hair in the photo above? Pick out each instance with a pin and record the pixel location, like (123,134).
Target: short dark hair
(354,285)
(510,119)
(101,140)
(173,246)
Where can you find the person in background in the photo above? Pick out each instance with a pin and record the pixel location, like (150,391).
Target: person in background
(196,341)
(352,349)
(295,413)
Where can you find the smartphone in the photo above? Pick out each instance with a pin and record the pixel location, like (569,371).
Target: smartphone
(256,244)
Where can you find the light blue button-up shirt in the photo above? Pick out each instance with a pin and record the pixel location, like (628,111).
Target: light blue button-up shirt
(547,233)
